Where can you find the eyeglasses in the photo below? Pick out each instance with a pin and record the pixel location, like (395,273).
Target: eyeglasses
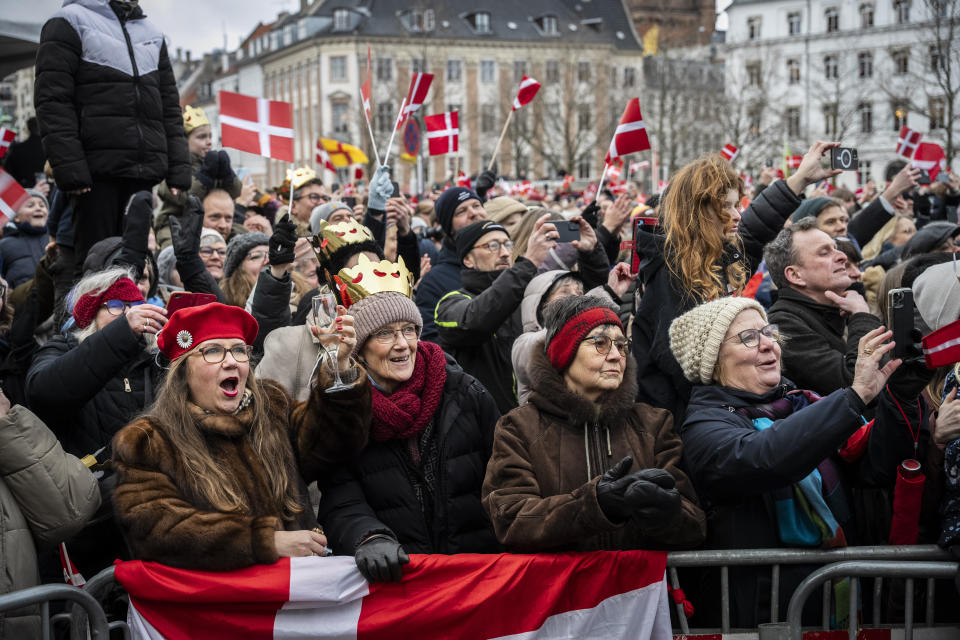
(206,252)
(214,354)
(259,256)
(751,337)
(603,343)
(389,336)
(314,197)
(494,246)
(119,307)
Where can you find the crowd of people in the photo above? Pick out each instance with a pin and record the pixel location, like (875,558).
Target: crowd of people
(211,374)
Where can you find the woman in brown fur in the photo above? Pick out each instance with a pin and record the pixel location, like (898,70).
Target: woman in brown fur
(213,477)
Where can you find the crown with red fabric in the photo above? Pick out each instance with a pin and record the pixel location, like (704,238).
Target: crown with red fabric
(86,308)
(191,326)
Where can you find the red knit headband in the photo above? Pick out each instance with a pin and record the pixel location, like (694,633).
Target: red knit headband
(563,347)
(87,306)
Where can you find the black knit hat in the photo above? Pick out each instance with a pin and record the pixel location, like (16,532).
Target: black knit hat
(239,246)
(468,236)
(447,204)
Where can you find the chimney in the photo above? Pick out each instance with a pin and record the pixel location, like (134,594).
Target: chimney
(188,57)
(304,5)
(179,53)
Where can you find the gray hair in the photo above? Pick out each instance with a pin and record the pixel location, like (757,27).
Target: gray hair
(779,254)
(95,283)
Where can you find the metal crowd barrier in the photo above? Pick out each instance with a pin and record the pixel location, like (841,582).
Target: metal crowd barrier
(885,561)
(44,594)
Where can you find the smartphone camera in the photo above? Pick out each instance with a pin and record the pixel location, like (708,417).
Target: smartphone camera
(844,158)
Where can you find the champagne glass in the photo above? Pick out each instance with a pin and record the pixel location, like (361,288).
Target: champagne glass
(325,317)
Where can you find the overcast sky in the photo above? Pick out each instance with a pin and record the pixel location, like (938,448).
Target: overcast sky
(199,25)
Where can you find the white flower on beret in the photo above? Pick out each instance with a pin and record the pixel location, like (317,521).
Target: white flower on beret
(184,339)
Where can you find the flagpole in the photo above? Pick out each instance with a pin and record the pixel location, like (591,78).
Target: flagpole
(373,142)
(396,126)
(496,149)
(603,177)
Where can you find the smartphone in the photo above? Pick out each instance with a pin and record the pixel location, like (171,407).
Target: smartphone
(943,177)
(396,190)
(844,158)
(567,230)
(243,173)
(648,224)
(183,299)
(924,177)
(350,201)
(768,163)
(900,320)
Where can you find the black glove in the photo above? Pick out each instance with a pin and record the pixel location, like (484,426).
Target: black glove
(215,170)
(379,559)
(282,242)
(185,231)
(136,231)
(908,381)
(652,497)
(591,213)
(611,489)
(486,180)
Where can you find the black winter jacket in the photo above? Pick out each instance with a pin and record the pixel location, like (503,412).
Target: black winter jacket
(86,392)
(659,376)
(443,277)
(374,494)
(107,99)
(20,250)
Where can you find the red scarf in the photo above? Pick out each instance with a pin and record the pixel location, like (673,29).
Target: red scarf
(407,411)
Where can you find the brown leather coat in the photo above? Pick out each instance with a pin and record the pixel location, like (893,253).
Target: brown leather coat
(548,455)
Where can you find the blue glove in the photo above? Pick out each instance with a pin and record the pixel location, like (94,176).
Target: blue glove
(381,188)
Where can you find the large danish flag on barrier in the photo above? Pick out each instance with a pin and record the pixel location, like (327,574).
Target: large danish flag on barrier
(257,125)
(631,134)
(443,133)
(7,136)
(600,595)
(419,87)
(528,89)
(908,141)
(930,157)
(12,197)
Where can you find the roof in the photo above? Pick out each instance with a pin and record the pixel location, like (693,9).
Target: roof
(590,22)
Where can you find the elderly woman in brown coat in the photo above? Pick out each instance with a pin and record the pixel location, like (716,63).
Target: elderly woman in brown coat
(583,466)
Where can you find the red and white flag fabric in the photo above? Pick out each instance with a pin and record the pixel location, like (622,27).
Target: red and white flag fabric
(608,595)
(567,182)
(793,161)
(463,180)
(12,197)
(528,89)
(631,133)
(323,158)
(419,86)
(729,152)
(931,158)
(256,125)
(613,173)
(908,141)
(942,347)
(636,166)
(443,133)
(7,136)
(365,89)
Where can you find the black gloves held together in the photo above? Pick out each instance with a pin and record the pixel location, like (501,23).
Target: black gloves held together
(215,170)
(649,495)
(380,559)
(282,242)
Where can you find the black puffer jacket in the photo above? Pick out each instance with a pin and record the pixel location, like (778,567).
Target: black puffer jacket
(661,381)
(20,251)
(86,392)
(107,99)
(375,495)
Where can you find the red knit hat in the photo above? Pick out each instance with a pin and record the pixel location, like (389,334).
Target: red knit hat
(562,347)
(85,310)
(188,327)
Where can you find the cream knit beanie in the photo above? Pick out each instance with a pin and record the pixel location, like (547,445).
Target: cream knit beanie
(380,309)
(696,336)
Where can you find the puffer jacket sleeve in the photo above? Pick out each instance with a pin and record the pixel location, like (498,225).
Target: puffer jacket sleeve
(594,267)
(270,306)
(870,220)
(764,218)
(162,525)
(178,157)
(58,59)
(345,513)
(55,491)
(523,520)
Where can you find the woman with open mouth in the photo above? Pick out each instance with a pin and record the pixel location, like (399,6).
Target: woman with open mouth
(214,476)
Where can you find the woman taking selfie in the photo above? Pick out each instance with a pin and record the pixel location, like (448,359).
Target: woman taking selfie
(214,476)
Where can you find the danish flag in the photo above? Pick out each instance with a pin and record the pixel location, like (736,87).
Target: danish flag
(908,141)
(257,125)
(942,347)
(528,89)
(793,161)
(419,86)
(729,152)
(614,172)
(930,157)
(6,137)
(463,180)
(365,89)
(12,197)
(631,134)
(567,182)
(636,166)
(323,158)
(443,133)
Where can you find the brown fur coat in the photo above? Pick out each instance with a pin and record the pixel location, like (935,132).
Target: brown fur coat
(163,522)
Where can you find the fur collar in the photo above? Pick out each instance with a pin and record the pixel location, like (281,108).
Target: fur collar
(551,395)
(230,425)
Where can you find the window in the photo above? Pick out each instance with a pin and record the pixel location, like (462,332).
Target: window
(793,122)
(418,65)
(864,172)
(830,120)
(341,19)
(753,74)
(487,71)
(793,71)
(901,62)
(755,118)
(866,16)
(830,69)
(865,64)
(901,10)
(429,20)
(338,68)
(937,62)
(519,70)
(548,25)
(832,19)
(384,68)
(938,107)
(793,23)
(865,111)
(488,118)
(629,77)
(340,124)
(899,112)
(385,116)
(612,76)
(454,71)
(480,21)
(584,121)
(414,21)
(583,72)
(583,169)
(553,71)
(753,28)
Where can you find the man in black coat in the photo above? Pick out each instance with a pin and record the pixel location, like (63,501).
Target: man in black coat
(25,159)
(109,112)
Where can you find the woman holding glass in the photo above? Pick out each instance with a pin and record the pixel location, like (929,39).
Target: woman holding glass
(214,476)
(415,488)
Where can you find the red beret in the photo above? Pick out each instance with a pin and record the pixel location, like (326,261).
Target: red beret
(190,326)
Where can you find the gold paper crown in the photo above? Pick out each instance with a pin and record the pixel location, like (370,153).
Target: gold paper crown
(334,236)
(369,278)
(298,177)
(193,117)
